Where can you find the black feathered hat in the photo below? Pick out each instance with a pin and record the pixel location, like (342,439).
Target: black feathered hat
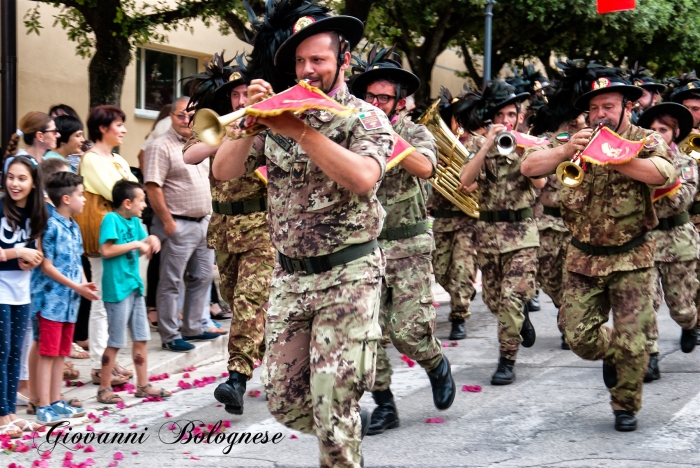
(239,76)
(684,87)
(675,110)
(304,24)
(641,77)
(499,94)
(520,84)
(537,80)
(600,80)
(446,106)
(469,109)
(383,64)
(205,87)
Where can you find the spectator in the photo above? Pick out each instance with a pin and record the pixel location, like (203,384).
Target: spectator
(61,286)
(101,169)
(40,135)
(122,240)
(69,145)
(22,219)
(181,199)
(62,109)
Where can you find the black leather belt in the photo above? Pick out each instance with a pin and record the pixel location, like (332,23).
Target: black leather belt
(236,208)
(666,224)
(695,208)
(438,214)
(613,250)
(505,215)
(325,263)
(404,232)
(552,211)
(189,218)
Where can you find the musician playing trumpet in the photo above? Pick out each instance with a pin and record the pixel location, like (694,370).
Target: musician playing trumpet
(507,233)
(610,262)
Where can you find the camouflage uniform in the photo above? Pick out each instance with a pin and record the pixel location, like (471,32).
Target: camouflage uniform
(454,257)
(407,314)
(554,237)
(609,210)
(322,329)
(507,249)
(676,251)
(694,211)
(245,258)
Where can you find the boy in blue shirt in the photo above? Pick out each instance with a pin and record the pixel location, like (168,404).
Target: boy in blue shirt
(122,240)
(58,293)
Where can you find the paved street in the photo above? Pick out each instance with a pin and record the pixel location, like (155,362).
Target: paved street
(556,414)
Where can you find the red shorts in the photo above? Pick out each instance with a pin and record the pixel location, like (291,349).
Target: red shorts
(55,338)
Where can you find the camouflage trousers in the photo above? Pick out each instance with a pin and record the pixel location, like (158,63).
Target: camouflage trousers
(407,316)
(245,286)
(320,359)
(678,286)
(550,258)
(508,282)
(585,309)
(454,265)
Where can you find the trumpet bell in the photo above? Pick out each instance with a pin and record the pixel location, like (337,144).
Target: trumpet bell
(208,127)
(505,143)
(569,174)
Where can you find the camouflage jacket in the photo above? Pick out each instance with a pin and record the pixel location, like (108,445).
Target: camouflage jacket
(239,233)
(681,242)
(312,215)
(472,143)
(403,195)
(549,195)
(611,209)
(503,187)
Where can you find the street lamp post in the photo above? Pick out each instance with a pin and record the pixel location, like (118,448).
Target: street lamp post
(8,73)
(487,40)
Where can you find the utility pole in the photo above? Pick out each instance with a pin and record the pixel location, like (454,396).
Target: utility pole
(8,72)
(487,40)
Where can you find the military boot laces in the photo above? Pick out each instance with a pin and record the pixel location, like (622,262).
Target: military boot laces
(653,372)
(625,421)
(689,340)
(385,416)
(527,332)
(505,375)
(231,393)
(459,331)
(444,387)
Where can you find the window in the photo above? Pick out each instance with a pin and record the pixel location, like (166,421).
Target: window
(158,79)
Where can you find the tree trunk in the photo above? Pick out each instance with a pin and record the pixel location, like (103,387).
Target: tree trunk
(108,69)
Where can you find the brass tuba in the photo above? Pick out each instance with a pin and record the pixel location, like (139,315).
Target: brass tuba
(453,154)
(690,144)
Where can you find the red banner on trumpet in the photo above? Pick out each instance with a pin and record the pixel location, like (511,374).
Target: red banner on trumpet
(298,98)
(524,140)
(607,147)
(401,149)
(666,192)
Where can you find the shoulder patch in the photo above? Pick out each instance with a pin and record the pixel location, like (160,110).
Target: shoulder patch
(280,140)
(563,137)
(370,120)
(688,173)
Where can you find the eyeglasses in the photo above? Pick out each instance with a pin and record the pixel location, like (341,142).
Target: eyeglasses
(55,130)
(382,98)
(183,116)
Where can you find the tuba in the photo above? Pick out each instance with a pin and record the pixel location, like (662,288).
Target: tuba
(690,144)
(453,154)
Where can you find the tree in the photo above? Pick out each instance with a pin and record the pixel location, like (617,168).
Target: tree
(109,30)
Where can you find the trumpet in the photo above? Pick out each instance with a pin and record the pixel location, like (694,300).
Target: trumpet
(570,173)
(505,142)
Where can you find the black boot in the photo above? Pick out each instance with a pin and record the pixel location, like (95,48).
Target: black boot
(697,330)
(653,372)
(527,332)
(689,339)
(385,416)
(534,303)
(473,295)
(625,421)
(231,393)
(459,331)
(564,344)
(505,375)
(609,374)
(444,387)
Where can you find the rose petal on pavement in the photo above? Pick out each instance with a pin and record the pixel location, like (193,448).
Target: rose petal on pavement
(434,420)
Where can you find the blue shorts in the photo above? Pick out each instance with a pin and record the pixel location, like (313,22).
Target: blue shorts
(131,313)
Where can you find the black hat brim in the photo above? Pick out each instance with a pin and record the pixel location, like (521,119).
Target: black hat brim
(681,96)
(398,75)
(226,88)
(350,27)
(513,100)
(654,87)
(678,111)
(632,92)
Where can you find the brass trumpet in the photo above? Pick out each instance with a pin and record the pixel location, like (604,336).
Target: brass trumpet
(690,144)
(212,128)
(505,142)
(570,173)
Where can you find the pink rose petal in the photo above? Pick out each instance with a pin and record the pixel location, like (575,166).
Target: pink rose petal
(89,428)
(194,458)
(224,374)
(454,344)
(133,426)
(89,449)
(254,393)
(78,446)
(172,427)
(408,360)
(120,404)
(68,456)
(293,436)
(445,345)
(112,464)
(168,415)
(435,420)
(134,453)
(124,421)
(436,304)
(219,405)
(105,413)
(45,455)
(118,456)
(186,375)
(471,388)
(226,424)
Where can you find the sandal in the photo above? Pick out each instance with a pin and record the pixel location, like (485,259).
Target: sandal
(217,313)
(77,352)
(148,390)
(154,323)
(11,430)
(32,406)
(74,402)
(125,372)
(69,373)
(117,379)
(110,399)
(26,426)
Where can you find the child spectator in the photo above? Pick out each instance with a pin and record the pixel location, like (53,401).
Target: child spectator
(63,284)
(22,219)
(122,240)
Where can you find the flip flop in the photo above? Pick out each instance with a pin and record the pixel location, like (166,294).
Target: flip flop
(26,426)
(10,430)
